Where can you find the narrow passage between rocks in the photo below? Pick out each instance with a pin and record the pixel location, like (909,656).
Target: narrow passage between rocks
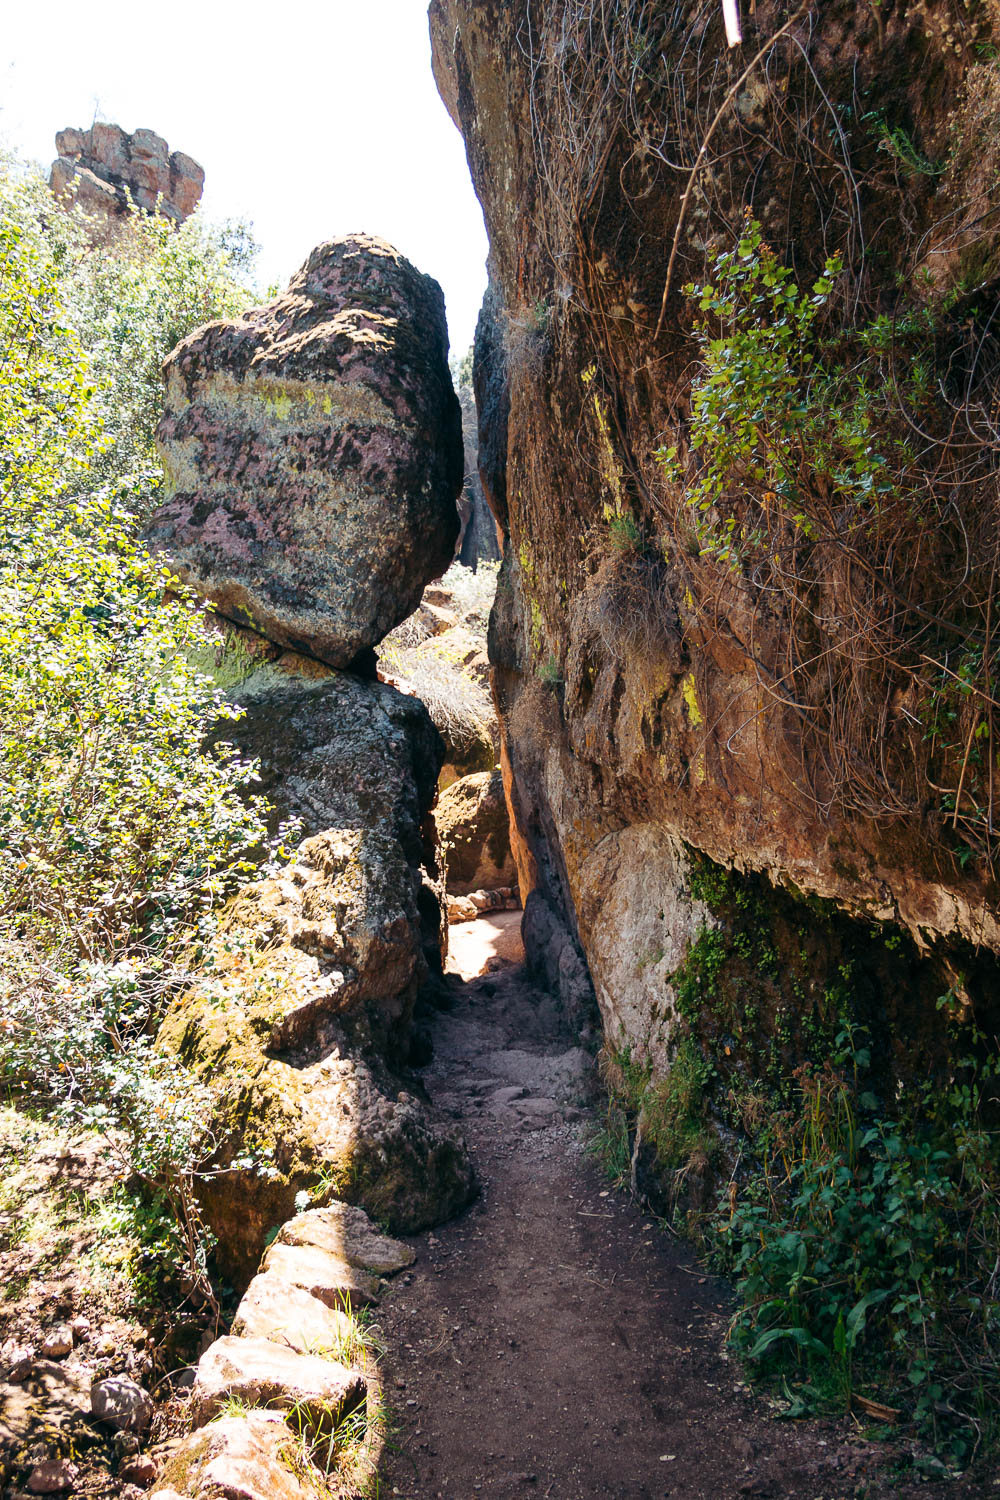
(552,1341)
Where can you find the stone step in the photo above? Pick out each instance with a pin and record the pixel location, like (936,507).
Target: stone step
(262,1373)
(324,1275)
(350,1235)
(273,1308)
(242,1458)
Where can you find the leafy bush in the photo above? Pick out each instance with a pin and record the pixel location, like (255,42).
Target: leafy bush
(819,478)
(473,592)
(459,705)
(864,1251)
(861,1236)
(130,301)
(120,827)
(668,1110)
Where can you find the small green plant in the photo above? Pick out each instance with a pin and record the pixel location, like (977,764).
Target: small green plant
(669,1111)
(548,673)
(611,1143)
(695,980)
(359,1341)
(763,404)
(899,145)
(861,1250)
(342,1447)
(537,318)
(624,532)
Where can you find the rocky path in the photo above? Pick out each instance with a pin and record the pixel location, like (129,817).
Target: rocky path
(553,1342)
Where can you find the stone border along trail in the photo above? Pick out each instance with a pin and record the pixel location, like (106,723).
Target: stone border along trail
(552,1341)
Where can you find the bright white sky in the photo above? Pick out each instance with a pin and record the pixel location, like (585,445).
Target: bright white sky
(311,119)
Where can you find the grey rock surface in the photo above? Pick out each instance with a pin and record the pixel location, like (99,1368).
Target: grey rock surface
(122,1404)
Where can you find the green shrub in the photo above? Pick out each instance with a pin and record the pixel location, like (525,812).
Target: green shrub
(864,1250)
(121,828)
(669,1108)
(130,301)
(817,465)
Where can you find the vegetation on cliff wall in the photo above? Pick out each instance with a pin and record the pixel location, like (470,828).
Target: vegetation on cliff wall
(834,1151)
(820,468)
(119,829)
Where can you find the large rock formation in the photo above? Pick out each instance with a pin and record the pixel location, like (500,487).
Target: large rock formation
(103,168)
(300,1019)
(787,702)
(313,454)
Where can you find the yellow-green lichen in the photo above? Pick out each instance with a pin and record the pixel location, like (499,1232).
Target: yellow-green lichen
(690,693)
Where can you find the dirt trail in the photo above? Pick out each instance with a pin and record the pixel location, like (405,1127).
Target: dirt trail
(553,1342)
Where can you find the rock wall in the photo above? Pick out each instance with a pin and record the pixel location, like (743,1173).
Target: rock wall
(313,457)
(660,702)
(104,167)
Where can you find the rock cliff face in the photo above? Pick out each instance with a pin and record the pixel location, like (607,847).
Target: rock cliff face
(104,166)
(313,454)
(726,657)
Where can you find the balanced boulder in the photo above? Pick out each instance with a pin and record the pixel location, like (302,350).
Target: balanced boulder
(313,454)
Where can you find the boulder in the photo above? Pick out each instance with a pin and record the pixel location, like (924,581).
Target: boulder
(91,192)
(275,1309)
(474,828)
(53,1476)
(241,1458)
(313,454)
(264,1374)
(122,1404)
(301,1019)
(329,1278)
(139,1470)
(58,1342)
(50,1397)
(285,1031)
(478,903)
(348,1233)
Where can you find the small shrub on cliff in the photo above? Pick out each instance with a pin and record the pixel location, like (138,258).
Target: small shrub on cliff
(819,477)
(473,593)
(458,704)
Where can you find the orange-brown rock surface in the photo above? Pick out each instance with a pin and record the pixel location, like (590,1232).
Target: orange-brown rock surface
(655,702)
(104,167)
